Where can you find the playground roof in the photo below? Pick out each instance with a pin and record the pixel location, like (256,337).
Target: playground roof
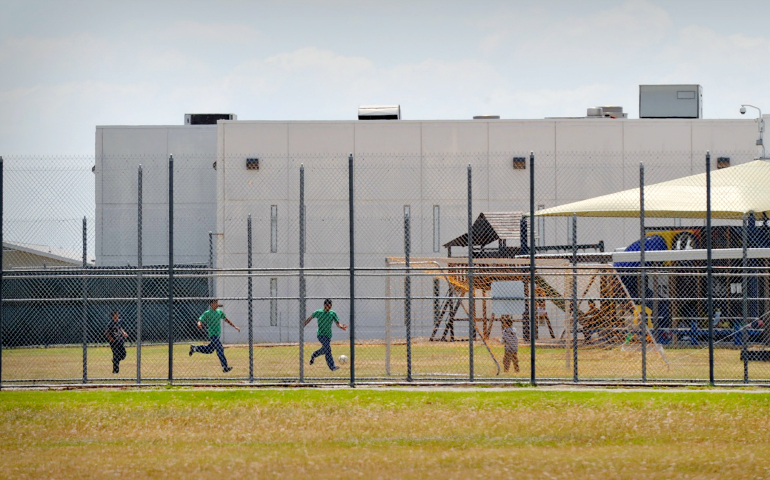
(491,226)
(734,191)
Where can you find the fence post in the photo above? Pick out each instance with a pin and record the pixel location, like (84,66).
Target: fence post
(408,294)
(574,301)
(251,307)
(170,269)
(388,334)
(471,299)
(709,272)
(352,275)
(1,271)
(744,299)
(211,265)
(642,275)
(139,277)
(436,301)
(85,302)
(532,313)
(302,293)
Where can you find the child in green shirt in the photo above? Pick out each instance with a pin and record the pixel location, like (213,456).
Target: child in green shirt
(325,318)
(213,319)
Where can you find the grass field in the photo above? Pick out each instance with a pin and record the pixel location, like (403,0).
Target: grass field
(438,360)
(484,433)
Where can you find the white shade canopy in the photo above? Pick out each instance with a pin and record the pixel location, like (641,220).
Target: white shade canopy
(735,191)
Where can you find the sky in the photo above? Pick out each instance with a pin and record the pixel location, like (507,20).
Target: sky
(70,65)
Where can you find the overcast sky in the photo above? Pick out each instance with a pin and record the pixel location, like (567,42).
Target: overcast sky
(68,66)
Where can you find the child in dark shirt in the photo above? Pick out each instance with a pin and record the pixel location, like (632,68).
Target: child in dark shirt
(117,336)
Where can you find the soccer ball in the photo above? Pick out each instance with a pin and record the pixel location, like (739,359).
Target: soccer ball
(343,359)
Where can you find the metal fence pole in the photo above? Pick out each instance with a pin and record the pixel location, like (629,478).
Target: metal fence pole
(211,264)
(744,299)
(642,275)
(574,301)
(85,302)
(709,272)
(532,323)
(170,269)
(302,293)
(471,299)
(436,301)
(408,296)
(1,270)
(251,306)
(388,333)
(352,275)
(139,263)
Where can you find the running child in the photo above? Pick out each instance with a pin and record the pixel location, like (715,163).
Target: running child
(325,318)
(213,319)
(117,336)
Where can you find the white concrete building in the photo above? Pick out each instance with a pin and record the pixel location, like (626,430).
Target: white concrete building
(119,152)
(423,164)
(398,163)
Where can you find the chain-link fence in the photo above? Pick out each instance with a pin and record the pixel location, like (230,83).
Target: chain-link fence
(386,268)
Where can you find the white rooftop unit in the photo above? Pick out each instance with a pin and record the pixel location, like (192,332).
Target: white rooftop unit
(379,112)
(606,112)
(670,101)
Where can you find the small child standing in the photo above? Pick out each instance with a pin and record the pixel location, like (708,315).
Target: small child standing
(511,346)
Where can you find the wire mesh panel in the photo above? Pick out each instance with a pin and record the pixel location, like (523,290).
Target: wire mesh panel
(623,287)
(48,230)
(385,222)
(439,318)
(327,260)
(600,320)
(257,250)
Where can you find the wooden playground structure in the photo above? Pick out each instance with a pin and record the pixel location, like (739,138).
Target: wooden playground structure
(495,236)
(607,317)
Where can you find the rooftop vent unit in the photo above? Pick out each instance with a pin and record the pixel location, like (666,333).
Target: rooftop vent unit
(207,118)
(486,117)
(670,101)
(379,112)
(606,112)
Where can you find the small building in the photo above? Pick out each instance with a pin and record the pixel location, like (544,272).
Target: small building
(27,255)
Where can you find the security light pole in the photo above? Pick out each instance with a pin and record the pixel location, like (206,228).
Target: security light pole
(760,126)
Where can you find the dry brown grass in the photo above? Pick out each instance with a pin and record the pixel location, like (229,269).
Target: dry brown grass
(384,434)
(448,360)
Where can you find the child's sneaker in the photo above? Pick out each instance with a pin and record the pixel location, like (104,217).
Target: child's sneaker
(227,369)
(192,349)
(335,368)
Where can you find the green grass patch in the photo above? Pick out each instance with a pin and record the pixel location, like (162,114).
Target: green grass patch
(173,433)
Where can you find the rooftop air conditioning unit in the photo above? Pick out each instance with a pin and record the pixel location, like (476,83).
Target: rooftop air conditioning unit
(671,101)
(207,118)
(379,112)
(606,112)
